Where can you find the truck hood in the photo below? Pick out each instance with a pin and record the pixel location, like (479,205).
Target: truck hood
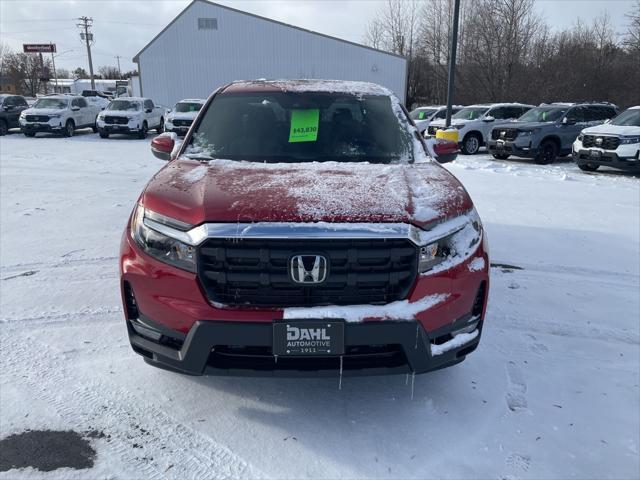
(523,125)
(122,113)
(233,191)
(44,111)
(182,116)
(608,129)
(454,121)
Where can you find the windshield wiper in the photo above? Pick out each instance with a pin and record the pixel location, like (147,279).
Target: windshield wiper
(202,157)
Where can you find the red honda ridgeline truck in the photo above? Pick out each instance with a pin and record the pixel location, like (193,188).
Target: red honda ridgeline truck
(301,227)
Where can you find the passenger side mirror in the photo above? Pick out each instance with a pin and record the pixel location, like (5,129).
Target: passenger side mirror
(162,146)
(8,108)
(149,110)
(488,118)
(569,121)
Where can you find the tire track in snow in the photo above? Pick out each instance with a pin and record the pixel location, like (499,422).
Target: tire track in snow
(46,265)
(169,449)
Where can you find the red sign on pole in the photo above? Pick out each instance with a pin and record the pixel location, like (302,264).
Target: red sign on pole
(39,47)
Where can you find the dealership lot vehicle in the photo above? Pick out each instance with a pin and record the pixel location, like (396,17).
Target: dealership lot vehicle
(182,115)
(548,131)
(303,228)
(10,108)
(474,123)
(131,116)
(423,116)
(62,114)
(614,144)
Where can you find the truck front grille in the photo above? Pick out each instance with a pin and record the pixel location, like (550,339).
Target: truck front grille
(504,134)
(257,271)
(37,118)
(116,120)
(182,123)
(607,143)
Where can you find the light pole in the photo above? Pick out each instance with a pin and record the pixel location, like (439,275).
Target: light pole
(53,60)
(452,61)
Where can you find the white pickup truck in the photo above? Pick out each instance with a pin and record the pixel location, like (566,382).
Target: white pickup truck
(131,116)
(58,114)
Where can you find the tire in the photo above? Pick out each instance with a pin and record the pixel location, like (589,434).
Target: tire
(547,153)
(588,167)
(69,129)
(501,156)
(95,129)
(3,128)
(29,134)
(143,131)
(471,144)
(160,128)
(104,134)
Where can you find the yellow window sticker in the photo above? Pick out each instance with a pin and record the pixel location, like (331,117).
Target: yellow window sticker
(304,125)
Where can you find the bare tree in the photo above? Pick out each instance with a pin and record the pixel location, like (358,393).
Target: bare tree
(109,72)
(28,71)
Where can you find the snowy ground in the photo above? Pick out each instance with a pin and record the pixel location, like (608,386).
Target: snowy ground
(552,392)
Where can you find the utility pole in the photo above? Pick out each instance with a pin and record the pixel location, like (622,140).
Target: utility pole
(452,61)
(119,71)
(87,37)
(55,73)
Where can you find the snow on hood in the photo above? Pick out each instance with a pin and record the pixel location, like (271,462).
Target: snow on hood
(400,310)
(121,113)
(229,190)
(45,111)
(454,121)
(608,129)
(182,116)
(314,85)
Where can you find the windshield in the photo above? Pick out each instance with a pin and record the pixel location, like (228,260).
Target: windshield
(471,113)
(628,118)
(302,127)
(123,105)
(183,107)
(422,113)
(57,103)
(543,114)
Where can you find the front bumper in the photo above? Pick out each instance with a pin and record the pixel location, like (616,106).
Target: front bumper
(131,127)
(199,337)
(236,348)
(180,131)
(50,126)
(508,147)
(625,157)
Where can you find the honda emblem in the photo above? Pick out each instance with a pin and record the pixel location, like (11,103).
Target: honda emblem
(308,268)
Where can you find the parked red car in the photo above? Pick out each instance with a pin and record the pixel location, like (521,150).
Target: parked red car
(301,227)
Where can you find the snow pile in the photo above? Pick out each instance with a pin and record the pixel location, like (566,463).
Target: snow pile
(196,174)
(400,310)
(457,341)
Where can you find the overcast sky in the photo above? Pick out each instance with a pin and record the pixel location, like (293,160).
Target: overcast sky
(123,27)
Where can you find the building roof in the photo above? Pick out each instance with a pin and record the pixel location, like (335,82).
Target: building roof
(136,58)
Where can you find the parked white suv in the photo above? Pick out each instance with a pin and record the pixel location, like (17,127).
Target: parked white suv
(184,112)
(423,116)
(474,123)
(614,144)
(131,116)
(58,114)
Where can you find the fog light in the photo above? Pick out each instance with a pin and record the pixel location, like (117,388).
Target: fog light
(468,328)
(145,331)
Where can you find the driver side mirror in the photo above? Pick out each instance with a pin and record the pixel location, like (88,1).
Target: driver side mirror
(8,108)
(149,110)
(162,146)
(569,121)
(488,118)
(75,109)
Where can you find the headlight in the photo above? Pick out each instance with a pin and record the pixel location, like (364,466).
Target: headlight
(629,140)
(101,116)
(449,243)
(581,136)
(23,115)
(146,229)
(528,133)
(458,127)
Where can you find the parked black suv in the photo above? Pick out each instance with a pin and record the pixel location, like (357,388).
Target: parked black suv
(547,131)
(10,108)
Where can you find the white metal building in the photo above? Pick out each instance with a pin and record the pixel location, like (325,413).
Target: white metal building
(208,45)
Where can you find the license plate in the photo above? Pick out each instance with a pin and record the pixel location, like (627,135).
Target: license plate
(308,338)
(595,153)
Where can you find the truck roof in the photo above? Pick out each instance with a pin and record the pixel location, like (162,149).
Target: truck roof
(307,85)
